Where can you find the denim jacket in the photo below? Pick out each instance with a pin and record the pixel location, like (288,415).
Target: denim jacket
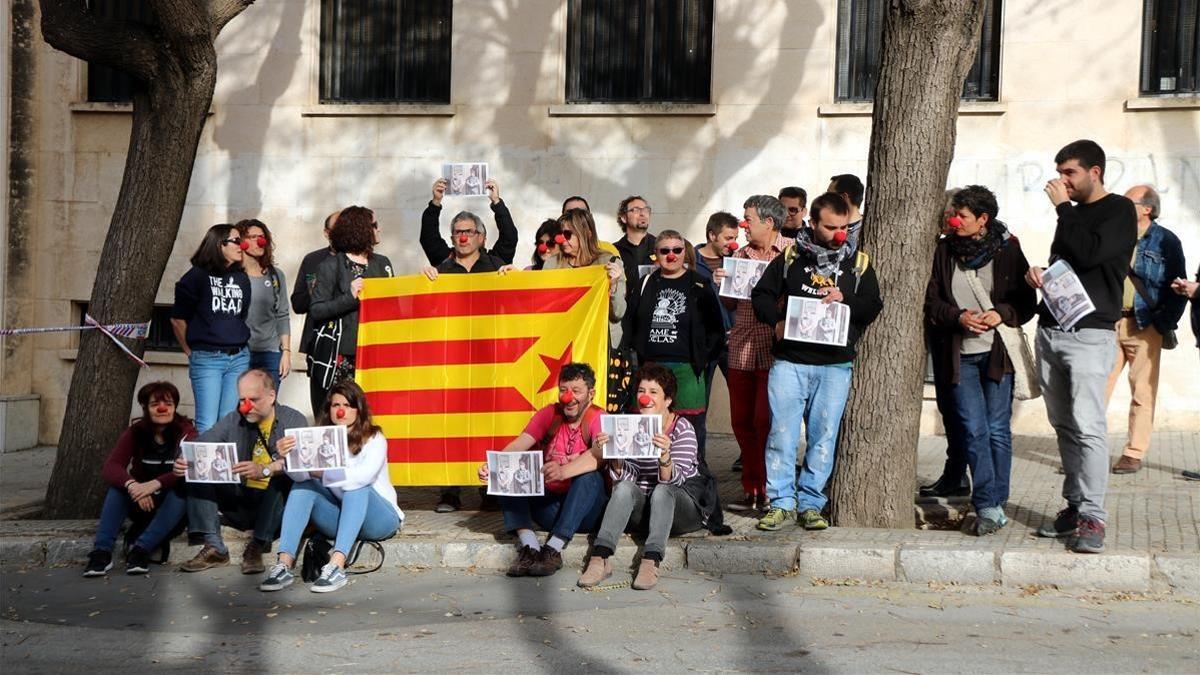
(1157,262)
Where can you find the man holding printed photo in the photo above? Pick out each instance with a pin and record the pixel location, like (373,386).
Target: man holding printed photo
(809,383)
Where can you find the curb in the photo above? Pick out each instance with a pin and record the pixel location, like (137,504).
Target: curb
(1118,571)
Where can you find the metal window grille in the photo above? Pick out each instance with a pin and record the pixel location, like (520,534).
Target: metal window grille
(859,35)
(639,51)
(1170,47)
(161,337)
(385,51)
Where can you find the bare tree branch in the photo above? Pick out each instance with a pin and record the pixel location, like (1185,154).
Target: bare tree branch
(221,12)
(182,21)
(68,26)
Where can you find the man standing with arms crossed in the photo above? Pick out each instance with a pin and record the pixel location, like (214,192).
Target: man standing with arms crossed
(1096,235)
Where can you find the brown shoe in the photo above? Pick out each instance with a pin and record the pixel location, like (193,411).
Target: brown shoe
(1127,464)
(548,562)
(526,557)
(252,558)
(597,570)
(647,575)
(207,557)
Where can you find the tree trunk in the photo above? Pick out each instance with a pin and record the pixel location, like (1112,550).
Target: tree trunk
(177,65)
(927,49)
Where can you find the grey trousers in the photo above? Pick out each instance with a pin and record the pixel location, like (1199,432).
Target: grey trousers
(1073,367)
(668,511)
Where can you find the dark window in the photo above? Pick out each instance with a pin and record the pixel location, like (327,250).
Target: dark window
(859,33)
(1170,47)
(161,338)
(639,51)
(109,85)
(385,51)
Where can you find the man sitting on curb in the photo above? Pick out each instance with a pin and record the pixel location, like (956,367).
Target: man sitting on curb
(257,503)
(809,383)
(575,498)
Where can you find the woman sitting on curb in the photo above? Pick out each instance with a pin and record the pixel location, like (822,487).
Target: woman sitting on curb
(344,504)
(649,493)
(138,472)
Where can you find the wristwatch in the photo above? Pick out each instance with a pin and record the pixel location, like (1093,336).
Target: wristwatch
(266,471)
(666,463)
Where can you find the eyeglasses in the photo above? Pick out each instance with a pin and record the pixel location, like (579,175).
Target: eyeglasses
(677,250)
(463,233)
(793,210)
(235,242)
(567,234)
(638,209)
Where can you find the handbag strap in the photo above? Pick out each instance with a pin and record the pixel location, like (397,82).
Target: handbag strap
(981,294)
(1140,287)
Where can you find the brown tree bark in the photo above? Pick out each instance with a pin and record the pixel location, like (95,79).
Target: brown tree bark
(177,64)
(927,49)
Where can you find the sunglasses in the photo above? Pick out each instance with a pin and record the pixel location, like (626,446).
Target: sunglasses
(235,242)
(677,250)
(567,234)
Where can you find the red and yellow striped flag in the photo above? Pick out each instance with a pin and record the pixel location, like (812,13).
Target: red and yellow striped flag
(456,367)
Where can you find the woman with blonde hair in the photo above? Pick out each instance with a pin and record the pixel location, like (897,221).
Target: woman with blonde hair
(580,247)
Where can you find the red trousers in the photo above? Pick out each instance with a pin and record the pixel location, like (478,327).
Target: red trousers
(750,417)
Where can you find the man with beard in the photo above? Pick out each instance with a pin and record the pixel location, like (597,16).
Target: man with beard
(435,248)
(637,244)
(574,496)
(809,383)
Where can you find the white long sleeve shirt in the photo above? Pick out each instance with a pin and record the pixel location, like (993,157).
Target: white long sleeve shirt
(368,467)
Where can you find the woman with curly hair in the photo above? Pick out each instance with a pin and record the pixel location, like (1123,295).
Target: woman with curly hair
(343,504)
(334,307)
(269,322)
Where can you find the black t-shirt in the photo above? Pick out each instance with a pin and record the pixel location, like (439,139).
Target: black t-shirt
(669,338)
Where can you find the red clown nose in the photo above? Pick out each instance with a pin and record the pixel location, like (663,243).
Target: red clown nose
(671,257)
(567,397)
(732,246)
(162,410)
(644,400)
(261,241)
(839,237)
(462,238)
(559,239)
(340,413)
(542,248)
(954,222)
(745,225)
(245,406)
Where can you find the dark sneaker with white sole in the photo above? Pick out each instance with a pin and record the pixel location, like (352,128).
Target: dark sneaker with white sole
(98,564)
(1065,524)
(137,561)
(1089,538)
(279,577)
(332,578)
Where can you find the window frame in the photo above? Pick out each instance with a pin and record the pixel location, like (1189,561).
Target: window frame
(1150,54)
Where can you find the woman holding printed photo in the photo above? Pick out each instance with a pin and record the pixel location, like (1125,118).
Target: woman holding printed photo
(649,493)
(346,504)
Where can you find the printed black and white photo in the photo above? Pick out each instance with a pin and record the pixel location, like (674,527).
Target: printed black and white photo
(630,436)
(741,274)
(1065,295)
(465,179)
(643,270)
(515,474)
(210,462)
(317,448)
(810,320)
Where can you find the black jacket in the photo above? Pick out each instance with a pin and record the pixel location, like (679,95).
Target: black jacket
(331,297)
(791,274)
(1097,240)
(704,311)
(233,428)
(302,290)
(486,263)
(437,250)
(1014,299)
(632,256)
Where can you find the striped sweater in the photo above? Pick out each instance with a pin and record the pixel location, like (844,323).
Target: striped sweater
(644,472)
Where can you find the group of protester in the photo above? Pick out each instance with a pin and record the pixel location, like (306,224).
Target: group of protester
(669,331)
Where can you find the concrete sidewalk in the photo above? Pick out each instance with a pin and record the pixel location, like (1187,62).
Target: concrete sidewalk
(1153,536)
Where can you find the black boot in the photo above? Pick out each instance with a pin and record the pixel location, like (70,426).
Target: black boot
(946,487)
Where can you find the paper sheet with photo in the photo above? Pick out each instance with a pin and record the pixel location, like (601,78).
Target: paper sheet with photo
(317,448)
(210,462)
(631,436)
(810,320)
(1065,295)
(643,270)
(515,474)
(741,274)
(465,179)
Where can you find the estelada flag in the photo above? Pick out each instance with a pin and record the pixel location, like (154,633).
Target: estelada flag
(456,367)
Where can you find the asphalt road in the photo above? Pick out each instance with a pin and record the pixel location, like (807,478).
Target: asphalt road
(422,621)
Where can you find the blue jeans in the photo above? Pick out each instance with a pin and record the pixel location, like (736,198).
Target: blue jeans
(816,396)
(268,361)
(168,512)
(214,384)
(361,514)
(983,412)
(579,509)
